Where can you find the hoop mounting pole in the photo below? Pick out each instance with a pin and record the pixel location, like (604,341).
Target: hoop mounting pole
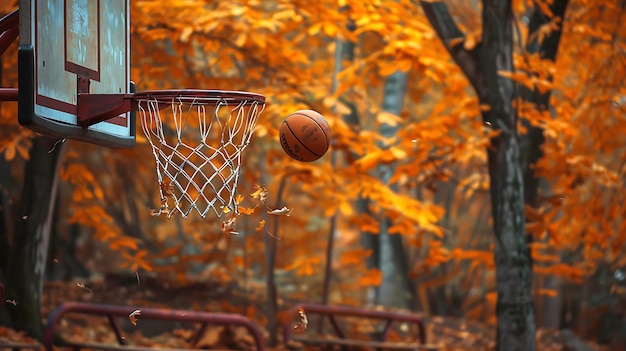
(8,94)
(95,108)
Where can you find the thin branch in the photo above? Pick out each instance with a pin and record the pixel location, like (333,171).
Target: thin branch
(446,28)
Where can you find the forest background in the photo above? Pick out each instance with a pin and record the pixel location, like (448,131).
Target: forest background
(404,189)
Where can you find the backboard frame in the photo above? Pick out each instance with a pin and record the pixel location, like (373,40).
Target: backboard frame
(27,87)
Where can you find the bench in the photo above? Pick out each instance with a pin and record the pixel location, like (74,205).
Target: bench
(17,346)
(342,340)
(111,312)
(6,344)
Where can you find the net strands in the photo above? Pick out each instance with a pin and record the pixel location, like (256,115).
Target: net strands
(198,162)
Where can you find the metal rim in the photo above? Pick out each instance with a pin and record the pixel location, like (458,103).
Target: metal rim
(207,96)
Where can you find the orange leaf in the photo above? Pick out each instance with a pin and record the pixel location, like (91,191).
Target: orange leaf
(366,223)
(303,265)
(372,278)
(355,256)
(246,210)
(388,118)
(548,292)
(260,193)
(471,40)
(260,226)
(238,261)
(9,153)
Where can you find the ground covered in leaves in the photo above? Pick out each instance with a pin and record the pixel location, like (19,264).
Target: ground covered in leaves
(454,333)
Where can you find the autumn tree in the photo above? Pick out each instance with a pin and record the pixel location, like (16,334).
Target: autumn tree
(578,235)
(545,26)
(482,63)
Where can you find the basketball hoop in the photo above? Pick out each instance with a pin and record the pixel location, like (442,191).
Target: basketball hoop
(197,137)
(198,161)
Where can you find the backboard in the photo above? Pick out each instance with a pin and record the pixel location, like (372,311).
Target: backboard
(69,47)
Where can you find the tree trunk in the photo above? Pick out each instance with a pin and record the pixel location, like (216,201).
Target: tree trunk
(514,308)
(6,184)
(396,289)
(32,226)
(481,64)
(6,229)
(344,51)
(368,240)
(330,242)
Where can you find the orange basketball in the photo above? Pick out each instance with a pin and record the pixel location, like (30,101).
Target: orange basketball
(305,135)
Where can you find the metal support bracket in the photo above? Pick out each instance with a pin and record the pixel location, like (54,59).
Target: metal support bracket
(9,30)
(95,108)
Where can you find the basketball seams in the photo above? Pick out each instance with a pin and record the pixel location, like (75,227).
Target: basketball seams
(300,141)
(326,137)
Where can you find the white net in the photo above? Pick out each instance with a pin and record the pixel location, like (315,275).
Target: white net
(197,142)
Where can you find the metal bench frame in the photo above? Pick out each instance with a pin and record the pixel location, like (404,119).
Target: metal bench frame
(113,311)
(332,311)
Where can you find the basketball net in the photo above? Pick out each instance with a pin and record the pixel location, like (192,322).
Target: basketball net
(198,161)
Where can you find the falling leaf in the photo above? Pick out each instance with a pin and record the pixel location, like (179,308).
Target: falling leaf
(133,316)
(238,199)
(260,193)
(229,224)
(246,210)
(83,286)
(162,210)
(280,212)
(301,323)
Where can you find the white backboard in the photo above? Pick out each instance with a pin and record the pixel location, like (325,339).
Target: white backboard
(67,41)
